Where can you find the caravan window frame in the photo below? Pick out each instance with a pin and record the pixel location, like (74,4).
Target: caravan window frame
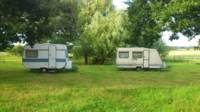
(124,57)
(137,55)
(31,53)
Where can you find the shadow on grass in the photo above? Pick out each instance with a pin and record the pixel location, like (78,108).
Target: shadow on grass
(177,60)
(145,70)
(55,71)
(198,63)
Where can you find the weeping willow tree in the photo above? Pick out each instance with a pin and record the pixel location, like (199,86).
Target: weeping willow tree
(101,30)
(104,35)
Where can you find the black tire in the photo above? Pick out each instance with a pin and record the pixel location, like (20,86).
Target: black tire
(138,68)
(44,70)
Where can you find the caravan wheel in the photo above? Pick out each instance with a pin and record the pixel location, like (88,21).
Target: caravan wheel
(138,68)
(44,70)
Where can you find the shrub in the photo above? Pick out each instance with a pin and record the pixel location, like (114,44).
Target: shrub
(162,48)
(16,50)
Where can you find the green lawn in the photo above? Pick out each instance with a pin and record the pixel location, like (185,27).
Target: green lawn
(100,89)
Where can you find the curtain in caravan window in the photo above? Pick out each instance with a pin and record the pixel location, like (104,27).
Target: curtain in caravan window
(123,54)
(31,53)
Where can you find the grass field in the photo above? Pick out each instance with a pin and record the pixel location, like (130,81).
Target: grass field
(100,88)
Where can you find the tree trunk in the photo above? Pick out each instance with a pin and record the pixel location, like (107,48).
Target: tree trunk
(98,61)
(102,61)
(86,59)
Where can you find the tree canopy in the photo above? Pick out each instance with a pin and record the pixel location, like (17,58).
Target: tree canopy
(101,38)
(181,16)
(35,20)
(144,29)
(101,30)
(148,18)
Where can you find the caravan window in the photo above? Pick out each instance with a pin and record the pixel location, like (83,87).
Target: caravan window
(123,54)
(31,53)
(137,55)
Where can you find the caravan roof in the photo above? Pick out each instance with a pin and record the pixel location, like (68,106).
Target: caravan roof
(134,49)
(46,46)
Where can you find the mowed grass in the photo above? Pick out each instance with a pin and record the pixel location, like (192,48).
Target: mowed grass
(100,88)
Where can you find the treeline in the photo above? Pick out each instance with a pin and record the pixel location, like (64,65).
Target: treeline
(95,27)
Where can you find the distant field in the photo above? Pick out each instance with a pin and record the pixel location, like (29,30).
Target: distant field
(8,57)
(184,55)
(100,88)
(184,52)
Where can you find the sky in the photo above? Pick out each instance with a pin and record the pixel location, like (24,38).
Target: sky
(119,4)
(182,42)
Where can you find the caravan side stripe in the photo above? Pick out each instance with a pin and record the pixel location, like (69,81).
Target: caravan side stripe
(60,60)
(35,60)
(42,60)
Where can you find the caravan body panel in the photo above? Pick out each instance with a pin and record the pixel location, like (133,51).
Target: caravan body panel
(146,58)
(138,58)
(49,56)
(155,60)
(52,56)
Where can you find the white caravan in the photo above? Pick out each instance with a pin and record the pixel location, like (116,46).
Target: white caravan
(46,56)
(138,58)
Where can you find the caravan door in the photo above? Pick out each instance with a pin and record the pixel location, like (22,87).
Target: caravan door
(146,58)
(52,56)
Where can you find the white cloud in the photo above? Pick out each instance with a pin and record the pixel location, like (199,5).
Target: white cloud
(119,4)
(181,42)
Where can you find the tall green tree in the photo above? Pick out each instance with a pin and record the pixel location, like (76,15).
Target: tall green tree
(180,16)
(148,18)
(103,36)
(65,22)
(33,21)
(24,20)
(89,8)
(144,29)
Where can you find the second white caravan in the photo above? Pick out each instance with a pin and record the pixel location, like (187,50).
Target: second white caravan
(138,58)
